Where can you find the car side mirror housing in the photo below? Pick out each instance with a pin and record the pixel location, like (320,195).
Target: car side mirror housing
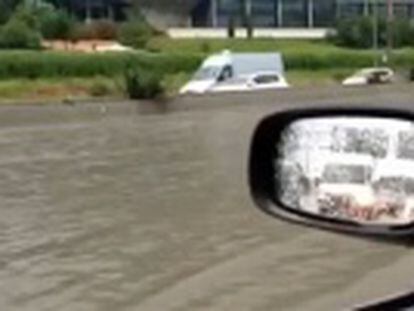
(358,165)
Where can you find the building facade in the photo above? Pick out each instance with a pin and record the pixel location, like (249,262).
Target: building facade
(220,13)
(94,9)
(290,13)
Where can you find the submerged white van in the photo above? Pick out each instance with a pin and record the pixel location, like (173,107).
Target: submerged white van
(226,66)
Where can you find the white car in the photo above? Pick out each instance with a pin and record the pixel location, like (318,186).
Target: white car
(218,69)
(345,177)
(370,76)
(252,82)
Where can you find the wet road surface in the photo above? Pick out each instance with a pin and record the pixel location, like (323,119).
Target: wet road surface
(146,207)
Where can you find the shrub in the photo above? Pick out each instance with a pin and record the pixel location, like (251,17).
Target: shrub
(105,30)
(142,84)
(27,15)
(7,8)
(56,24)
(205,47)
(100,88)
(135,34)
(18,35)
(98,30)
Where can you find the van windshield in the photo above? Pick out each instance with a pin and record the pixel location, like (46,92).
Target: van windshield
(208,73)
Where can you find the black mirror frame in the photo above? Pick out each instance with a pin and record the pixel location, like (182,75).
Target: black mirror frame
(261,170)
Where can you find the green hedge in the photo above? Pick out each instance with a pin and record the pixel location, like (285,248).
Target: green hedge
(27,64)
(345,59)
(316,61)
(32,64)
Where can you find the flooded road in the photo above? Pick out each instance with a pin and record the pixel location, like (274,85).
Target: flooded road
(130,207)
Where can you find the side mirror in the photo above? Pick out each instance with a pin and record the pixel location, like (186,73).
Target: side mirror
(341,154)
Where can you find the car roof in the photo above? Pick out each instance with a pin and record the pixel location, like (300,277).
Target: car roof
(374,69)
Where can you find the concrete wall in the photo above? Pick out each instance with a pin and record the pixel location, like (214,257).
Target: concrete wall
(286,33)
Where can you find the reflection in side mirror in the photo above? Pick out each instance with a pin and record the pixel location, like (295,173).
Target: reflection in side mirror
(354,168)
(351,173)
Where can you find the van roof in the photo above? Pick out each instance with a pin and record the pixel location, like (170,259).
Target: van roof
(248,63)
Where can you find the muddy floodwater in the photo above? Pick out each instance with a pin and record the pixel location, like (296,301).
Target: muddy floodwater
(128,206)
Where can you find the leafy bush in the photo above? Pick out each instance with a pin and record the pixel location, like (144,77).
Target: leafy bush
(100,88)
(105,29)
(98,30)
(135,34)
(142,84)
(26,15)
(18,35)
(7,8)
(55,24)
(205,47)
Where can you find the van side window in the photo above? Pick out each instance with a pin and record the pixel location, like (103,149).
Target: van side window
(226,74)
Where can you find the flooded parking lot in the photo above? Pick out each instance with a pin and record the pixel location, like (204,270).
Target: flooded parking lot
(142,206)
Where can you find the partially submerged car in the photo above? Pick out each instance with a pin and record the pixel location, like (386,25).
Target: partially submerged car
(367,76)
(345,184)
(227,66)
(266,80)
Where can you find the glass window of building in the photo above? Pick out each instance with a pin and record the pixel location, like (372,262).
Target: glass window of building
(295,13)
(350,9)
(324,13)
(230,9)
(264,13)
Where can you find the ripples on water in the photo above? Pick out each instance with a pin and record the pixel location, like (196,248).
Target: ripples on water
(151,212)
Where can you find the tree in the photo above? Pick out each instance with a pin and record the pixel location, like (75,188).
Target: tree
(7,7)
(55,24)
(16,34)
